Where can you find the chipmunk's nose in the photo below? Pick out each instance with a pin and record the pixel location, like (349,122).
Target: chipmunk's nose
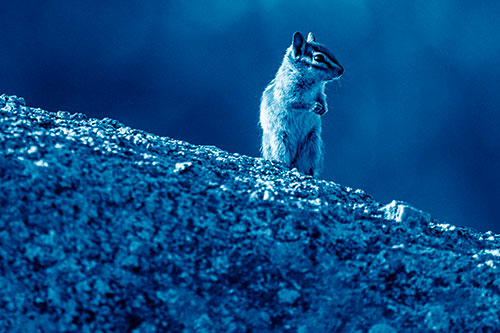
(340,71)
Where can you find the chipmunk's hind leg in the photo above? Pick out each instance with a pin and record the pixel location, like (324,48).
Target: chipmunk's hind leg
(275,147)
(310,155)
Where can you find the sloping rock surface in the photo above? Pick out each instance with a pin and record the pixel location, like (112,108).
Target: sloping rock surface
(108,228)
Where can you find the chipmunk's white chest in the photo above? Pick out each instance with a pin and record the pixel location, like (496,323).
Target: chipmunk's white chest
(299,123)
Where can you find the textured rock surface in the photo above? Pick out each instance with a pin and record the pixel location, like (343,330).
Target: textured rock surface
(103,227)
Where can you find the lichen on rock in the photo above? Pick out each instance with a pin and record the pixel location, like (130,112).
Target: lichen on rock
(108,228)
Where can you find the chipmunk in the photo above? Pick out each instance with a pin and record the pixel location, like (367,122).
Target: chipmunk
(293,103)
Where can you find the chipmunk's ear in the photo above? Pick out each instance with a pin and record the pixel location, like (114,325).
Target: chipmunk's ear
(298,44)
(311,38)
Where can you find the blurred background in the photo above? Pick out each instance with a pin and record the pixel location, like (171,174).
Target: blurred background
(416,116)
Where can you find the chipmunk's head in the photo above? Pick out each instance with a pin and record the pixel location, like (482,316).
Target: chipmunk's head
(313,59)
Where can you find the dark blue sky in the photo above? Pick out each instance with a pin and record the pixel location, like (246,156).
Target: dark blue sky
(416,116)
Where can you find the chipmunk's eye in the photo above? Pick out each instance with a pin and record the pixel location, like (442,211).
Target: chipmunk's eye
(319,58)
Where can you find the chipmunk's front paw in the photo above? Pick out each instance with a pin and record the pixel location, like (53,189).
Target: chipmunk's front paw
(318,108)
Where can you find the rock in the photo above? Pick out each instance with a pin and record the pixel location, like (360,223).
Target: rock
(108,228)
(381,328)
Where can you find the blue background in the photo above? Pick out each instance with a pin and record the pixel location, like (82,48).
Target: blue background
(415,116)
